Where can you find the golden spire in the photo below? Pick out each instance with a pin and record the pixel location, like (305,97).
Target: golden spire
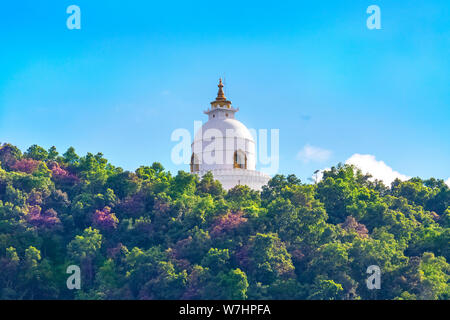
(221,101)
(220,94)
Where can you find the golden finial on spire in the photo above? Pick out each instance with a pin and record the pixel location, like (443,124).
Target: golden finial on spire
(221,94)
(221,101)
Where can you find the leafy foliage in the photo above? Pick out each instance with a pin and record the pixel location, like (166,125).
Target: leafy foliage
(151,235)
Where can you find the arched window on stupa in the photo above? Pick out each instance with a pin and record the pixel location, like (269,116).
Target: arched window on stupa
(240,160)
(194,163)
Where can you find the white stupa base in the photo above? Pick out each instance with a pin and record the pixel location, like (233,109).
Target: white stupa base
(230,178)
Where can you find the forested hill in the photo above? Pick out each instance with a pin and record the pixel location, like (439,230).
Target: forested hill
(151,235)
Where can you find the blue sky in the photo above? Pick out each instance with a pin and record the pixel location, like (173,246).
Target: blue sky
(138,70)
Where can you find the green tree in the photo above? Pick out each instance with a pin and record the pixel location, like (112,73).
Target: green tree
(83,250)
(232,285)
(52,153)
(435,276)
(124,184)
(216,259)
(37,153)
(325,290)
(267,259)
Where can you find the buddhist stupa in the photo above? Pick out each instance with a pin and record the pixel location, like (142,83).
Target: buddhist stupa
(224,146)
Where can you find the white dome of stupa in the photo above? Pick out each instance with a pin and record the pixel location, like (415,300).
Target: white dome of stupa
(223,125)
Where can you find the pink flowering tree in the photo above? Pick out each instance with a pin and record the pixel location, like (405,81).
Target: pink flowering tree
(105,219)
(26,165)
(47,220)
(62,175)
(351,225)
(227,223)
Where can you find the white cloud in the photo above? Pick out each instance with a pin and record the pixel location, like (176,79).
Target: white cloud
(447,182)
(313,154)
(377,168)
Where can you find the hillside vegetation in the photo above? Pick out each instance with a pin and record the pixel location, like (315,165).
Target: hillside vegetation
(151,235)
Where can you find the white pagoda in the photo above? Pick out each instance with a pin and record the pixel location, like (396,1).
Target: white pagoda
(225,147)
